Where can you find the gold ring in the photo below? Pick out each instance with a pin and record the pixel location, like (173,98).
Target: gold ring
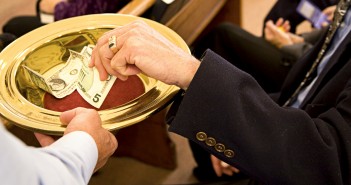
(112,42)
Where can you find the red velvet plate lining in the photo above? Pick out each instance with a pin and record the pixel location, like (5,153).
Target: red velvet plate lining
(120,93)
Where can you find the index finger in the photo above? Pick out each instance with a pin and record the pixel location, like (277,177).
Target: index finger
(44,140)
(96,58)
(118,31)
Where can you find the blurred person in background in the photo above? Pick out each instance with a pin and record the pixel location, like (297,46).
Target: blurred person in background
(55,10)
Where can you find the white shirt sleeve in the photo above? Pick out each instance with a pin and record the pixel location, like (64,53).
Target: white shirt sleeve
(70,160)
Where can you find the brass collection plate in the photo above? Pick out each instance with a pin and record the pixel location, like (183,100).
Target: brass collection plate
(43,49)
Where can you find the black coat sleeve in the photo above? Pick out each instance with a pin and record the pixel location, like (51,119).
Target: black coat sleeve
(225,111)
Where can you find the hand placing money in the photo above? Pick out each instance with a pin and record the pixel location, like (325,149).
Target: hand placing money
(75,74)
(89,86)
(141,49)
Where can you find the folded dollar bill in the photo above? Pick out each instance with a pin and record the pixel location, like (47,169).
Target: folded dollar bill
(75,75)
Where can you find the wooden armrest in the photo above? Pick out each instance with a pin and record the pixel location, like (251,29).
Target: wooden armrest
(137,7)
(193,18)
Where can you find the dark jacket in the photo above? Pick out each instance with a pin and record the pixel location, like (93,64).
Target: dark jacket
(226,112)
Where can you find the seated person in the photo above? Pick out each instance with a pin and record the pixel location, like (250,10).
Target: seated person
(302,138)
(277,51)
(286,9)
(274,55)
(60,9)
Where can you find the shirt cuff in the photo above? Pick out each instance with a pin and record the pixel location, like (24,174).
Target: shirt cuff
(82,144)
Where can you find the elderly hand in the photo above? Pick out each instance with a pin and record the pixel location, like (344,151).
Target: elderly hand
(87,120)
(140,48)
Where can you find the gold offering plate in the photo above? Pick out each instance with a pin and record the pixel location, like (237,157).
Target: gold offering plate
(21,102)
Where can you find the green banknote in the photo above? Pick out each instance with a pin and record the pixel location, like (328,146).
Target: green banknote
(75,75)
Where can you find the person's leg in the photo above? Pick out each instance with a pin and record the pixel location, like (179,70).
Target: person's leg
(250,53)
(21,25)
(6,39)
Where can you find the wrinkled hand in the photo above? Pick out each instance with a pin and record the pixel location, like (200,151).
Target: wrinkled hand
(88,120)
(329,12)
(221,167)
(278,37)
(48,6)
(141,49)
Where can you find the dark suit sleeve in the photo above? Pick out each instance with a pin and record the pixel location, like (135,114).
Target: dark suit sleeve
(226,112)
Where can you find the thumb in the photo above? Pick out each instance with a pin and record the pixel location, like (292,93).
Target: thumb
(67,116)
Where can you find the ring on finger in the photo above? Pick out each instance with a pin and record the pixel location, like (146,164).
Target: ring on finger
(112,42)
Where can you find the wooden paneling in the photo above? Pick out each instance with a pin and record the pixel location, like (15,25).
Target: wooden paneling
(137,7)
(194,17)
(231,12)
(10,9)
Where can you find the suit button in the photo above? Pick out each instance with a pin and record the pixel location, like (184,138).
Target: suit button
(210,141)
(201,136)
(220,147)
(229,153)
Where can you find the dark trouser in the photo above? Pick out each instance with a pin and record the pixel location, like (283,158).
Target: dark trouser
(21,25)
(6,39)
(252,54)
